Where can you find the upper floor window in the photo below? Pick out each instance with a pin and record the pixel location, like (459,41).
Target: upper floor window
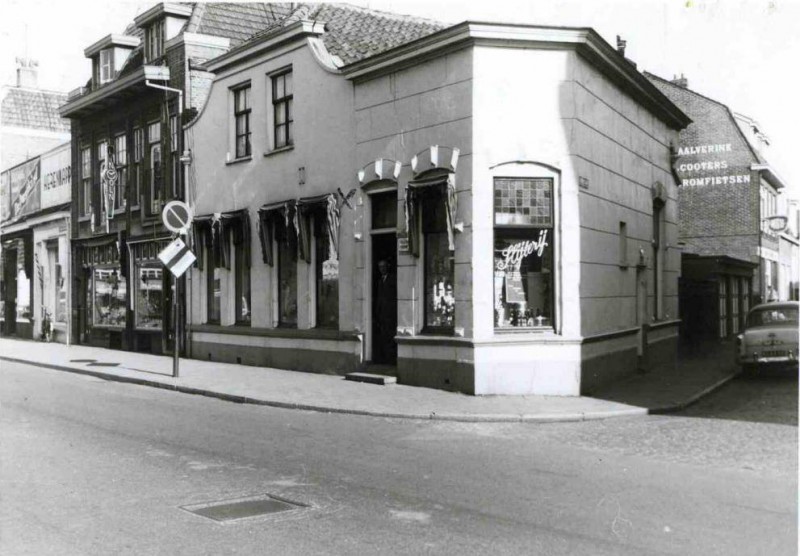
(106,65)
(86,181)
(241,115)
(154,41)
(121,153)
(282,98)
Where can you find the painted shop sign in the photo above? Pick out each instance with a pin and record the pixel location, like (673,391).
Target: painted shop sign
(22,193)
(56,177)
(513,254)
(689,170)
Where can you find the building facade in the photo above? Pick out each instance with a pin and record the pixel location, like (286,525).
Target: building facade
(34,265)
(409,200)
(126,149)
(729,195)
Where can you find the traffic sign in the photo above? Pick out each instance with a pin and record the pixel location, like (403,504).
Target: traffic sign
(177,216)
(177,257)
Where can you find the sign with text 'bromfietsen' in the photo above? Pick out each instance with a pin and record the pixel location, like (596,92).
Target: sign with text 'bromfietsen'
(712,164)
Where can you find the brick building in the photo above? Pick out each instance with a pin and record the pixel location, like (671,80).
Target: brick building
(125,117)
(728,195)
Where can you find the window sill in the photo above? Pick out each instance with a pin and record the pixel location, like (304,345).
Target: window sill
(238,160)
(84,218)
(279,150)
(279,332)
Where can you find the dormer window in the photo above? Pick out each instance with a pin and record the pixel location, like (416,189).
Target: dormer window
(154,41)
(106,65)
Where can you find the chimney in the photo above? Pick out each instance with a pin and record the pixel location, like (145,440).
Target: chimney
(27,72)
(621,43)
(680,82)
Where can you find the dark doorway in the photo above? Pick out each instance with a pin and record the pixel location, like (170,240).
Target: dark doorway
(9,292)
(384,298)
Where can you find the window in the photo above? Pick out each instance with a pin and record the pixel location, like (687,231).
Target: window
(242,283)
(282,109)
(439,270)
(241,116)
(138,158)
(735,304)
(723,307)
(327,275)
(623,244)
(213,287)
(121,153)
(174,158)
(156,177)
(86,182)
(149,296)
(106,65)
(154,41)
(287,275)
(108,289)
(523,253)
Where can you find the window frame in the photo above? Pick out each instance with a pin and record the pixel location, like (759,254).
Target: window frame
(138,162)
(528,232)
(93,296)
(153,195)
(245,90)
(291,249)
(320,238)
(106,65)
(154,41)
(284,104)
(85,205)
(213,272)
(122,169)
(138,266)
(437,229)
(241,268)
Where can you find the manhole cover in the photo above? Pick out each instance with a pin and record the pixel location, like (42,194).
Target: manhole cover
(82,360)
(103,365)
(244,508)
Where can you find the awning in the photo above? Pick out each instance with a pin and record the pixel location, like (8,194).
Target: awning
(321,205)
(282,214)
(211,231)
(101,251)
(441,188)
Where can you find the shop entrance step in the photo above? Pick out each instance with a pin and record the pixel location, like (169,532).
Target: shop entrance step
(371,378)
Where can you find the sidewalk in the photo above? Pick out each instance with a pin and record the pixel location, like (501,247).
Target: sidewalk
(638,395)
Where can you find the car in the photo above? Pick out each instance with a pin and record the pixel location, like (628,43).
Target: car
(770,337)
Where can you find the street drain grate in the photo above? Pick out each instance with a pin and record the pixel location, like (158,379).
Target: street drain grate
(244,508)
(103,364)
(82,360)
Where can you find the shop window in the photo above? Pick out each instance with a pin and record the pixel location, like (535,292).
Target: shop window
(723,307)
(242,282)
(327,275)
(86,182)
(121,153)
(109,289)
(735,304)
(149,294)
(287,276)
(241,118)
(283,118)
(439,268)
(213,288)
(523,253)
(153,201)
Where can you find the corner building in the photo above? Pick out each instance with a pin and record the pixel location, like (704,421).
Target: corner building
(424,206)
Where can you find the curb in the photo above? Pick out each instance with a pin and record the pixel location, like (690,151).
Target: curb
(432,416)
(694,399)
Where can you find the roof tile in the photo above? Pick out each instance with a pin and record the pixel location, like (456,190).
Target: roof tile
(34,109)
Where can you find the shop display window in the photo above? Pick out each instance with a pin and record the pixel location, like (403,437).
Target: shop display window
(439,266)
(108,297)
(213,288)
(242,286)
(149,293)
(327,275)
(61,295)
(523,253)
(287,283)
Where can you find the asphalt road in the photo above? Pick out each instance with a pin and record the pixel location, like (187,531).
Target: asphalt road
(94,467)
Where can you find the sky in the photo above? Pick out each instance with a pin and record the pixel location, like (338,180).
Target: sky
(744,53)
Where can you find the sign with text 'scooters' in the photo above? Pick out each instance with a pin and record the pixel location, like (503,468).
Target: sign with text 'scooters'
(177,217)
(177,257)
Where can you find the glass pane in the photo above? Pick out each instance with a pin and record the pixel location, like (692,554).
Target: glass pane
(288,83)
(246,98)
(149,298)
(280,114)
(287,284)
(154,132)
(280,136)
(214,291)
(327,282)
(440,302)
(241,146)
(384,210)
(278,87)
(523,279)
(289,136)
(242,286)
(523,202)
(109,297)
(289,109)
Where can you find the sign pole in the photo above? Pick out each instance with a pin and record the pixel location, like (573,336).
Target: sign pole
(175,338)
